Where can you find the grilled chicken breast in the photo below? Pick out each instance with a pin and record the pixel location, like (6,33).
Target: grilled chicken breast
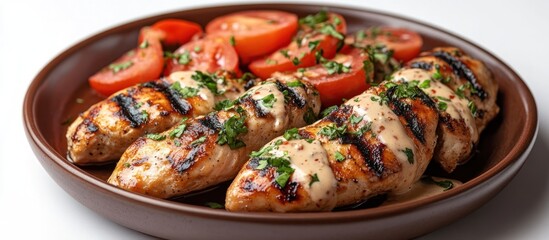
(207,150)
(105,130)
(380,141)
(472,84)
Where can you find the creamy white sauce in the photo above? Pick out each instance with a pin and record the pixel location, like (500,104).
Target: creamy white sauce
(278,109)
(421,189)
(457,107)
(310,160)
(389,131)
(185,80)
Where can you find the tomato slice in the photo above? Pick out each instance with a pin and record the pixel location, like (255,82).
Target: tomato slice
(177,31)
(344,76)
(255,33)
(208,54)
(141,64)
(324,33)
(406,44)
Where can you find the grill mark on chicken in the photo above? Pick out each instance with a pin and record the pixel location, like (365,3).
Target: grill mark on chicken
(292,95)
(211,121)
(180,104)
(462,70)
(372,154)
(288,193)
(90,125)
(340,116)
(421,65)
(188,161)
(254,104)
(128,110)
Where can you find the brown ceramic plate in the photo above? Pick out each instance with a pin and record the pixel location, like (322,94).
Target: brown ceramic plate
(50,101)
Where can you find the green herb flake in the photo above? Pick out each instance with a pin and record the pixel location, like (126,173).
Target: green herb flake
(367,127)
(177,142)
(327,111)
(339,157)
(127,165)
(268,101)
(360,35)
(184,58)
(270,61)
(155,136)
(197,49)
(309,116)
(445,184)
(117,67)
(206,80)
(224,105)
(356,119)
(425,84)
(178,131)
(144,44)
(232,41)
(292,133)
(312,20)
(144,116)
(234,126)
(284,53)
(214,205)
(296,61)
(295,83)
(314,178)
(329,29)
(473,107)
(333,67)
(313,44)
(442,106)
(198,141)
(409,154)
(332,131)
(282,179)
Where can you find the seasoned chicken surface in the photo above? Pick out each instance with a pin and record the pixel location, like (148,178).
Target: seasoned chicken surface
(473,84)
(380,141)
(203,151)
(103,132)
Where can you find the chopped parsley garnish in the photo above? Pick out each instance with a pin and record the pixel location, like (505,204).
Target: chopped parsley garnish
(177,142)
(281,163)
(409,154)
(224,105)
(313,44)
(309,116)
(184,58)
(367,127)
(295,83)
(425,84)
(296,61)
(292,133)
(144,116)
(327,111)
(405,90)
(339,157)
(185,92)
(314,178)
(198,141)
(232,41)
(335,67)
(368,67)
(207,81)
(329,29)
(443,98)
(127,165)
(155,136)
(117,67)
(178,131)
(356,119)
(270,61)
(197,49)
(473,107)
(284,53)
(446,184)
(268,101)
(442,106)
(282,178)
(144,44)
(360,35)
(332,131)
(312,20)
(234,126)
(214,205)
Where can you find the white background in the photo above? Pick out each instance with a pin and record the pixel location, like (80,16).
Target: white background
(33,32)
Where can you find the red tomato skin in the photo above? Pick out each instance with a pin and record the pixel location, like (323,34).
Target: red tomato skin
(147,65)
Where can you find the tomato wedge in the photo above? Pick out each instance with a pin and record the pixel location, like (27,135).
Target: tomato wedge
(208,54)
(406,44)
(255,33)
(344,76)
(320,32)
(141,64)
(177,31)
